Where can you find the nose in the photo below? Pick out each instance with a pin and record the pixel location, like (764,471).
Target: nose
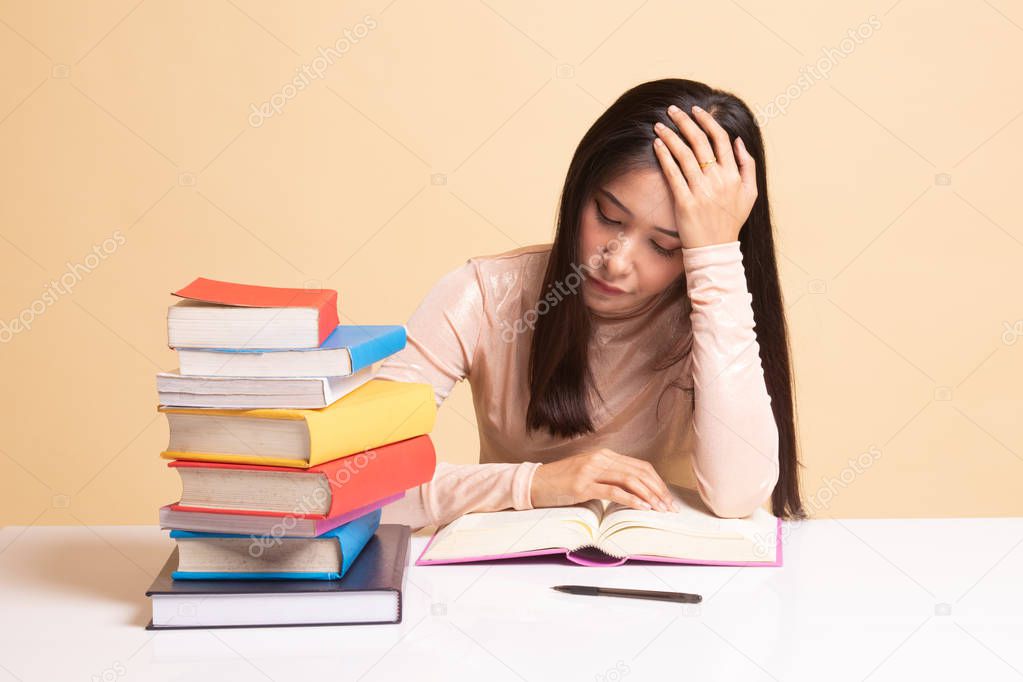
(617,261)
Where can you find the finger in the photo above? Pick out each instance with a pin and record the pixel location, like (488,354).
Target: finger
(616,494)
(747,166)
(693,133)
(639,475)
(682,154)
(719,137)
(612,460)
(630,480)
(677,181)
(650,477)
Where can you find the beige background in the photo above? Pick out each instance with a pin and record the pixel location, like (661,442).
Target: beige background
(444,131)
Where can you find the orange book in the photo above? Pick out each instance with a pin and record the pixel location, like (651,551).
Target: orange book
(322,302)
(335,487)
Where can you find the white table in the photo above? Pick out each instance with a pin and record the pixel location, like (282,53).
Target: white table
(856,599)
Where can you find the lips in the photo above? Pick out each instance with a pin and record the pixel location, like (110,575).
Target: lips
(600,285)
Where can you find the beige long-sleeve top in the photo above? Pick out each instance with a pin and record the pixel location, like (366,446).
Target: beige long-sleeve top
(704,423)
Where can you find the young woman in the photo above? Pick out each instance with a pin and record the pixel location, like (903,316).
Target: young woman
(628,352)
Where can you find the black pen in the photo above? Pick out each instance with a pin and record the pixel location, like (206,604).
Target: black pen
(681,597)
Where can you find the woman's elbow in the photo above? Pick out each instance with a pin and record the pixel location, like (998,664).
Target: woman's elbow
(732,508)
(736,504)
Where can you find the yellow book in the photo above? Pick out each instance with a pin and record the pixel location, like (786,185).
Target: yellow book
(377,413)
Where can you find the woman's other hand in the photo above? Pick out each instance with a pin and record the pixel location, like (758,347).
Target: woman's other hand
(603,474)
(713,180)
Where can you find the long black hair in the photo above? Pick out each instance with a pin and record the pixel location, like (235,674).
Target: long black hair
(621,140)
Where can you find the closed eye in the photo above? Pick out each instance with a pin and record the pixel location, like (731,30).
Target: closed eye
(603,218)
(667,253)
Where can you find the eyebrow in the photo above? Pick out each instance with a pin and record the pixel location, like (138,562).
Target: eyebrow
(619,204)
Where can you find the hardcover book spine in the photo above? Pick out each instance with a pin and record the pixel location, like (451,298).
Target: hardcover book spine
(393,414)
(365,354)
(367,476)
(327,316)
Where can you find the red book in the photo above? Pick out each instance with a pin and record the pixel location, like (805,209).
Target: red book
(327,490)
(253,296)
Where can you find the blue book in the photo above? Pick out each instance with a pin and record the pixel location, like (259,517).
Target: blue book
(260,556)
(348,349)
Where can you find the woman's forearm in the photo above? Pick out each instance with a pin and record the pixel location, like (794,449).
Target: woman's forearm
(458,489)
(735,459)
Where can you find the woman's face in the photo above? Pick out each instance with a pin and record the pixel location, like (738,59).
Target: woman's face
(629,242)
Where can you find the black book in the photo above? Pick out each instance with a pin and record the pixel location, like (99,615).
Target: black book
(370,593)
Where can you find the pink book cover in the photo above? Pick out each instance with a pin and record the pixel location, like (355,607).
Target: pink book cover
(321,525)
(602,559)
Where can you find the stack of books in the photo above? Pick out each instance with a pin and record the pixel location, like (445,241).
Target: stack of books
(287,449)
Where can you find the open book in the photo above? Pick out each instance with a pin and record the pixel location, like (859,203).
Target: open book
(602,533)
